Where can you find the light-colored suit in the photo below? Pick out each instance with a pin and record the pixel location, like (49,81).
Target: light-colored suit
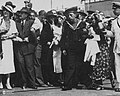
(116,32)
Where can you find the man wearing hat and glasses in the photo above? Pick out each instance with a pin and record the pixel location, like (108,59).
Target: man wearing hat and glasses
(26,49)
(115,32)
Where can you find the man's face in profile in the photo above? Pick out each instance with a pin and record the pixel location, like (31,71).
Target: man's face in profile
(116,11)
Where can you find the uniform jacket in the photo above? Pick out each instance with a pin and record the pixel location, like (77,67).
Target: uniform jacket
(73,38)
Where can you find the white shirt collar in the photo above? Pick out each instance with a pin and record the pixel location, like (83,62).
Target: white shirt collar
(119,16)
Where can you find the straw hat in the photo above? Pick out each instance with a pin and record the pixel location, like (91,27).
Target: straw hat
(9,6)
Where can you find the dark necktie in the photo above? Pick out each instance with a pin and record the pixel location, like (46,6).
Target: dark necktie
(22,25)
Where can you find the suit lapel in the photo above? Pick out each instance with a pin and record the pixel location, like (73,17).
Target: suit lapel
(26,26)
(19,28)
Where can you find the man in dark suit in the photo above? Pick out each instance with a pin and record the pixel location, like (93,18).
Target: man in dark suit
(26,49)
(46,55)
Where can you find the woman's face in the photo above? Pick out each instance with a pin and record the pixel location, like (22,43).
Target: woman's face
(60,20)
(6,13)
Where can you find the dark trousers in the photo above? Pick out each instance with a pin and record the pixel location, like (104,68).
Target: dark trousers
(47,65)
(72,69)
(48,74)
(38,73)
(15,77)
(84,74)
(75,70)
(37,66)
(26,66)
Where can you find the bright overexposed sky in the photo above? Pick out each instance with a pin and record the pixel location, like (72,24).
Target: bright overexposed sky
(44,4)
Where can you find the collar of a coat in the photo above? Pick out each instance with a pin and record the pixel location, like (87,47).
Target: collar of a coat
(71,26)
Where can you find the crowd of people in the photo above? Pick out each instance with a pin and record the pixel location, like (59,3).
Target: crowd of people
(68,49)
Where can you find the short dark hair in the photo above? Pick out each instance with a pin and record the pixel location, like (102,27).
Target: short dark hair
(42,12)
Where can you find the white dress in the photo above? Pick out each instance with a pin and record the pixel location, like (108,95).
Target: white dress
(57,53)
(7,63)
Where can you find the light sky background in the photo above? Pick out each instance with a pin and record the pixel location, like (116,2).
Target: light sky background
(44,4)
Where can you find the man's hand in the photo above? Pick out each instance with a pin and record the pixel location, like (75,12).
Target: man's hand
(18,39)
(26,39)
(38,38)
(3,30)
(56,42)
(64,52)
(48,43)
(32,29)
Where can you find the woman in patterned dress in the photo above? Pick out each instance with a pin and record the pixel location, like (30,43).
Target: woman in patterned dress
(102,66)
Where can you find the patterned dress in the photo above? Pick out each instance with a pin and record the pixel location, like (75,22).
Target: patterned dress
(102,67)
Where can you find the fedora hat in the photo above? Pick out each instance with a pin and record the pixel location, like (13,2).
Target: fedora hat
(24,10)
(60,14)
(81,12)
(9,6)
(51,13)
(26,1)
(17,13)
